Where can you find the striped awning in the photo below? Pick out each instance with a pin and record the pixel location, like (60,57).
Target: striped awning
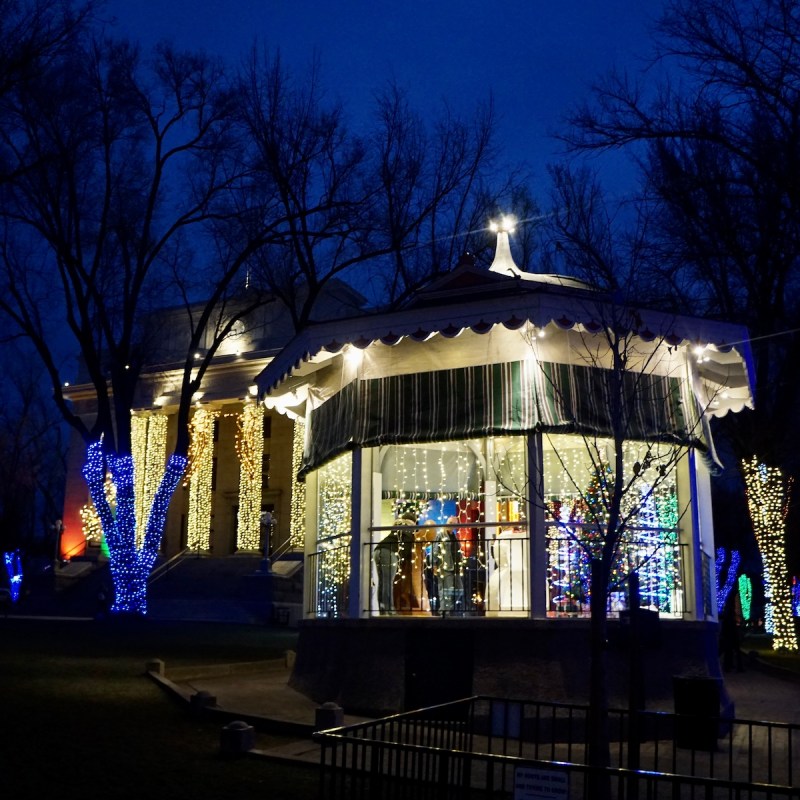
(507,398)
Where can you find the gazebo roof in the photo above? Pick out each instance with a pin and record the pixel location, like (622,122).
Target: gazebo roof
(470,300)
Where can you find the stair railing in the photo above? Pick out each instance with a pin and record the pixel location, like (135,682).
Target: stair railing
(167,566)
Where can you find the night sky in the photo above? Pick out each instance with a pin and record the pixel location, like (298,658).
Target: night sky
(536,58)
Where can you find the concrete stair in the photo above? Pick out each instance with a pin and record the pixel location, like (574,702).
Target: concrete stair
(228,589)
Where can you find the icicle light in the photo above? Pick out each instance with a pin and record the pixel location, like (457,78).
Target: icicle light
(250,449)
(335,508)
(768,501)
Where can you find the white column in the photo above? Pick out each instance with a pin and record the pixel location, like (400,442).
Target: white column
(700,536)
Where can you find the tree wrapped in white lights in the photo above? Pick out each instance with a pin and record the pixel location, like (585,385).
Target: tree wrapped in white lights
(768,501)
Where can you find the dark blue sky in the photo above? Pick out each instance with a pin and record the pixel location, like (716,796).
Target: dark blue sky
(537,58)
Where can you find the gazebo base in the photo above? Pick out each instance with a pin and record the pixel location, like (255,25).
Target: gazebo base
(382,666)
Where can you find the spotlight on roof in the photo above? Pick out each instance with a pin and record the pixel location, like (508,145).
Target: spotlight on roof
(506,224)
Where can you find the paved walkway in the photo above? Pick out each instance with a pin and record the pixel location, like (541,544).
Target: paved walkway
(259,694)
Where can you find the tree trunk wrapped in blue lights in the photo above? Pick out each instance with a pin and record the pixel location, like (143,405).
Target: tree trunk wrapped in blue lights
(130,565)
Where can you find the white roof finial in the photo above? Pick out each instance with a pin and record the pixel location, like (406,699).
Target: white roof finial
(503,260)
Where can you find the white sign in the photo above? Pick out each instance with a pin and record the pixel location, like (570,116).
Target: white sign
(540,784)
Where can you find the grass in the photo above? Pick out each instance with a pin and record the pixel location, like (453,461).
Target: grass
(761,645)
(79,713)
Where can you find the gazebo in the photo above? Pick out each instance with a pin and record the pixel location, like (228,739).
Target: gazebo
(454,459)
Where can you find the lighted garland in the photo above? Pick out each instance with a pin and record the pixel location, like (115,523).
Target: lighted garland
(199,476)
(250,449)
(149,451)
(768,501)
(130,564)
(139,454)
(297,522)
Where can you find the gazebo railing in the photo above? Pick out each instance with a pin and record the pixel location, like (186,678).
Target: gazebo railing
(477,577)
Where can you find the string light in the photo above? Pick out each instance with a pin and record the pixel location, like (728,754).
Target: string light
(130,564)
(746,596)
(250,449)
(578,489)
(149,451)
(335,510)
(91,526)
(724,588)
(297,521)
(768,502)
(13,562)
(199,476)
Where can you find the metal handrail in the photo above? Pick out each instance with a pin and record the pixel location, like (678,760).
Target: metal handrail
(282,550)
(167,566)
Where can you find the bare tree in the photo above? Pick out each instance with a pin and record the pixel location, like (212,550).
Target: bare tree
(387,209)
(123,159)
(621,390)
(159,181)
(34,455)
(718,144)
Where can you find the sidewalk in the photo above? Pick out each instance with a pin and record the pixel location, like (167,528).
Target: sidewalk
(258,693)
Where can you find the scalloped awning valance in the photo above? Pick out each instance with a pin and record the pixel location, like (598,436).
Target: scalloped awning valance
(509,398)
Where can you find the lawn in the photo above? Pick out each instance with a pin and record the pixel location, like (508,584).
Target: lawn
(761,645)
(80,715)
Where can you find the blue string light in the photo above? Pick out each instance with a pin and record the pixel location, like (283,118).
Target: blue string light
(130,566)
(724,590)
(13,561)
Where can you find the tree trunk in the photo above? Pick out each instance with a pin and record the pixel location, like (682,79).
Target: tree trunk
(130,564)
(598,744)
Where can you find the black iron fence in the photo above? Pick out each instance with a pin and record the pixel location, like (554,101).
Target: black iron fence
(494,748)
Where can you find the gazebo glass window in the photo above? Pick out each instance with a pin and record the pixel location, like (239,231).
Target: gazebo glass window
(578,481)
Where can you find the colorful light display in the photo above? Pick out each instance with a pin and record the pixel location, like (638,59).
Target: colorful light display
(579,485)
(149,451)
(768,502)
(746,596)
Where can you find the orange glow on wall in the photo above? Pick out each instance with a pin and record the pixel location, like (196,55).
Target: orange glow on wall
(73,542)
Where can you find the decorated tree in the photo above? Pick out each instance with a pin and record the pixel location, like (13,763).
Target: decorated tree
(714,132)
(150,205)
